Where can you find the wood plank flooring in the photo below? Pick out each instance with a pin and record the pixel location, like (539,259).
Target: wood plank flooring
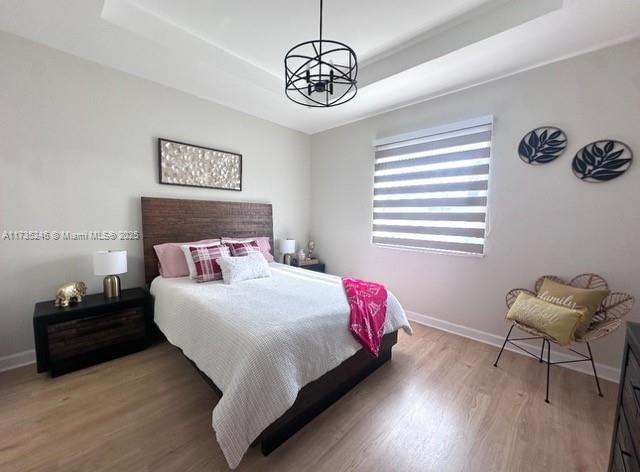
(439,405)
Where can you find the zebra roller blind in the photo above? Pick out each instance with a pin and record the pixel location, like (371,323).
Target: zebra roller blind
(430,188)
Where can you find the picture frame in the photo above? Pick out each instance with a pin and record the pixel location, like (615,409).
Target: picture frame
(191,165)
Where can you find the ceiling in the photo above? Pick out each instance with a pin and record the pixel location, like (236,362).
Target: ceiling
(236,26)
(231,52)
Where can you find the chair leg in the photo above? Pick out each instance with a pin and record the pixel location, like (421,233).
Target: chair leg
(548,367)
(542,352)
(495,364)
(595,374)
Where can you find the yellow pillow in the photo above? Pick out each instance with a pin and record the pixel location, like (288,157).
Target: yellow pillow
(573,297)
(556,321)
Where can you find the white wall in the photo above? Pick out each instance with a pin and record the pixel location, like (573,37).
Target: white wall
(543,219)
(78,149)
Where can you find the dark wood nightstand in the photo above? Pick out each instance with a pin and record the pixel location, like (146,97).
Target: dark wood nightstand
(92,331)
(314,267)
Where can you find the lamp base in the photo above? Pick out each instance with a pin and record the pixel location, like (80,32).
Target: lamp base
(286,259)
(111,286)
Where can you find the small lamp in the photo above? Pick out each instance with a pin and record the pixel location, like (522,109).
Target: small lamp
(110,263)
(287,247)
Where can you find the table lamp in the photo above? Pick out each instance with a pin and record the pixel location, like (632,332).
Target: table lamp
(287,247)
(110,263)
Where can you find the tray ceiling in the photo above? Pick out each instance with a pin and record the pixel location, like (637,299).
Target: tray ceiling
(262,32)
(231,52)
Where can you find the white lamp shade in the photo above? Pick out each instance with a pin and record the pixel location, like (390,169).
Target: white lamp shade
(287,246)
(109,262)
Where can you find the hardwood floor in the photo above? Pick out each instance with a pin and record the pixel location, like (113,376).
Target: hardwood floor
(439,405)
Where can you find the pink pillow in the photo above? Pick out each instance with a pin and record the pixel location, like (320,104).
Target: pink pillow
(171,260)
(263,244)
(205,260)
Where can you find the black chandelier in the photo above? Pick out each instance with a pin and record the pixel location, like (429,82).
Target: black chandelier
(321,73)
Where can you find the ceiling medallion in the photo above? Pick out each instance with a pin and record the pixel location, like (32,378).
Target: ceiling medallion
(321,73)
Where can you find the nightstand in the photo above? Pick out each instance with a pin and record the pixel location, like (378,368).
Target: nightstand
(92,331)
(314,267)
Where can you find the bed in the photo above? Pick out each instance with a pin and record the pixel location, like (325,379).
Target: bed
(277,350)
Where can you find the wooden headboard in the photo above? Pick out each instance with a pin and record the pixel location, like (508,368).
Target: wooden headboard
(166,220)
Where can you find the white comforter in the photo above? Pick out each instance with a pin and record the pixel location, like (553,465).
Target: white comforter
(260,341)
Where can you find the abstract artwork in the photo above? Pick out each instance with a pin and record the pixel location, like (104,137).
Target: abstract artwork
(196,166)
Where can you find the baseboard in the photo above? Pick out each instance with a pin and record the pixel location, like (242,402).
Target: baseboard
(19,359)
(604,371)
(612,374)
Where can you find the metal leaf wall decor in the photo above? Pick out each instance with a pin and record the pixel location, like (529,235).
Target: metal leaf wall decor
(601,161)
(542,145)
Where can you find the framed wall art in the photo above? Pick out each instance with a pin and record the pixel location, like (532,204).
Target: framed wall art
(196,166)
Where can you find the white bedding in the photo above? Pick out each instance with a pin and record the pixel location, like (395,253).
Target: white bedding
(260,341)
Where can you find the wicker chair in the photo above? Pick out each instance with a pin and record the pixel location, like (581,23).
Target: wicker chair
(607,319)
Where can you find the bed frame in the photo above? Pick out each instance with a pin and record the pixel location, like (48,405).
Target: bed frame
(173,220)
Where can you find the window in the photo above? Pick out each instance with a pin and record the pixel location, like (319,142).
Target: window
(430,188)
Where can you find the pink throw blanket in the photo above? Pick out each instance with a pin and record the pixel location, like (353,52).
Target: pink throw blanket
(368,304)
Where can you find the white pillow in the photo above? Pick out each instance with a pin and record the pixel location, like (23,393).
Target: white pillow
(187,255)
(237,269)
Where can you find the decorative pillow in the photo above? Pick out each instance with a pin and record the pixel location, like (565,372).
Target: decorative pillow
(205,259)
(171,259)
(243,249)
(263,244)
(187,255)
(573,297)
(239,268)
(557,321)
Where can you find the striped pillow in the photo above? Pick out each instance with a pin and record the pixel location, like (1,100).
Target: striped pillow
(204,259)
(243,249)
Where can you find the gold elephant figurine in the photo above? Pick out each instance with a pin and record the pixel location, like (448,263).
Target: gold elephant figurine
(71,292)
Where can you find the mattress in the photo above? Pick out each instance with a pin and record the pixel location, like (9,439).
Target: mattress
(260,341)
